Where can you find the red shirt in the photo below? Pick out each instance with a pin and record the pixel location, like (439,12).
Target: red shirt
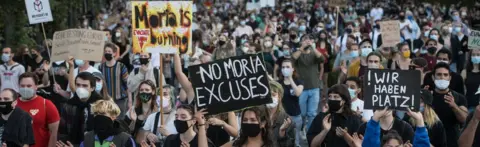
(43,112)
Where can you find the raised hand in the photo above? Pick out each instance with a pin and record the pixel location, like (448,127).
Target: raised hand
(327,122)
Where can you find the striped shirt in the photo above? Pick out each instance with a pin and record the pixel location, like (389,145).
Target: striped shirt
(116,78)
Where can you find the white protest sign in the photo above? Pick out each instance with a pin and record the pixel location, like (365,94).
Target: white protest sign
(474,40)
(253,5)
(38,11)
(80,43)
(390,33)
(267,3)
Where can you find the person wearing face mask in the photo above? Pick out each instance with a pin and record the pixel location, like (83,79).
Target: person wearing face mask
(76,117)
(354,89)
(450,106)
(120,39)
(222,127)
(339,117)
(37,58)
(357,68)
(408,28)
(16,124)
(106,131)
(118,72)
(108,36)
(242,29)
(268,52)
(99,88)
(293,88)
(145,105)
(350,15)
(10,70)
(471,76)
(428,53)
(349,56)
(437,36)
(456,84)
(255,129)
(224,48)
(44,113)
(436,131)
(376,136)
(404,62)
(342,41)
(185,122)
(419,42)
(83,66)
(459,42)
(142,73)
(324,47)
(376,36)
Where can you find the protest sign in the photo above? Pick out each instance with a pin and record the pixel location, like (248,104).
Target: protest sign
(230,84)
(267,3)
(253,5)
(38,11)
(339,3)
(80,43)
(474,40)
(390,33)
(396,89)
(162,26)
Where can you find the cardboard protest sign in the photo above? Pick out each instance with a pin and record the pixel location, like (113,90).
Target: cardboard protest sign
(38,11)
(474,40)
(80,43)
(162,26)
(396,89)
(230,84)
(267,3)
(253,5)
(339,3)
(390,33)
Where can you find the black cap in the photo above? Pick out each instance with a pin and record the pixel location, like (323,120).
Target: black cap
(426,96)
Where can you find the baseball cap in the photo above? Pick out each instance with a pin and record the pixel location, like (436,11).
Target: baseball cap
(426,96)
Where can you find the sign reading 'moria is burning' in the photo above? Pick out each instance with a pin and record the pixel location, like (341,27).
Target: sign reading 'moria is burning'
(162,26)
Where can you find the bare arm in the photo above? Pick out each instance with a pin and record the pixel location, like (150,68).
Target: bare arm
(232,126)
(461,113)
(298,89)
(53,127)
(466,138)
(297,54)
(183,79)
(317,141)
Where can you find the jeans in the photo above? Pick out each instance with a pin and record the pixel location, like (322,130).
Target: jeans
(309,104)
(298,128)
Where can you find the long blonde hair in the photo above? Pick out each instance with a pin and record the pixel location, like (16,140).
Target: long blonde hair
(429,117)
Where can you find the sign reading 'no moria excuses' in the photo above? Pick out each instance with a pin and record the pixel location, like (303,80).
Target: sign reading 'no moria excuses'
(230,84)
(396,89)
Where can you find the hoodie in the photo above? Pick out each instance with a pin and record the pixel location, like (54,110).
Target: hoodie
(372,135)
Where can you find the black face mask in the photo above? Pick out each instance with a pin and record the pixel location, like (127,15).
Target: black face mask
(145,97)
(144,61)
(402,17)
(432,50)
(109,57)
(6,107)
(103,126)
(181,126)
(34,56)
(221,43)
(334,105)
(377,27)
(251,130)
(348,30)
(293,36)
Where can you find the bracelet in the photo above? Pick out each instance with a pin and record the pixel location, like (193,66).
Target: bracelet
(201,125)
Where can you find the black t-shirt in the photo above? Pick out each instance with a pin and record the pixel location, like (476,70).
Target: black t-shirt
(17,130)
(351,122)
(472,82)
(174,141)
(476,139)
(290,102)
(436,133)
(403,128)
(447,116)
(218,135)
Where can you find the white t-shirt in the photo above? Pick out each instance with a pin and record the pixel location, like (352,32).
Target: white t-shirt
(148,126)
(376,13)
(9,76)
(366,113)
(240,30)
(90,69)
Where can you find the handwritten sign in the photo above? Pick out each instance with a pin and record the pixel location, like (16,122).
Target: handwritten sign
(390,33)
(474,40)
(80,43)
(231,84)
(38,11)
(339,3)
(397,89)
(162,26)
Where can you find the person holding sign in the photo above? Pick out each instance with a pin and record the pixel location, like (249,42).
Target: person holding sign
(436,132)
(307,59)
(354,89)
(450,106)
(389,123)
(333,128)
(392,138)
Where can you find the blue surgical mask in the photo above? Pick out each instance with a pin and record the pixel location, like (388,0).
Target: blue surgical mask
(442,84)
(354,54)
(286,53)
(98,87)
(476,59)
(422,108)
(366,51)
(352,92)
(5,57)
(434,37)
(302,28)
(410,17)
(423,51)
(457,29)
(79,62)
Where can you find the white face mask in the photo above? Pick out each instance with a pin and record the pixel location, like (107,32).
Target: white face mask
(165,102)
(442,61)
(274,103)
(118,34)
(245,49)
(442,84)
(82,93)
(373,66)
(99,87)
(268,44)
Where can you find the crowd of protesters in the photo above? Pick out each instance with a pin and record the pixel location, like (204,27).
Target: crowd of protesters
(316,55)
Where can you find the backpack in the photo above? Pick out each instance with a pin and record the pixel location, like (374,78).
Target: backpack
(156,73)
